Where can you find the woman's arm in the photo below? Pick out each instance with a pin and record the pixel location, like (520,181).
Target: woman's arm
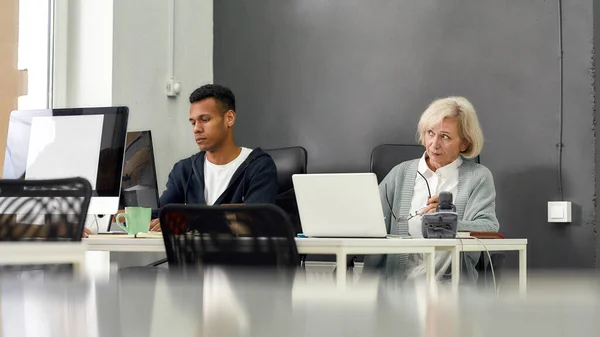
(386,194)
(387,187)
(480,211)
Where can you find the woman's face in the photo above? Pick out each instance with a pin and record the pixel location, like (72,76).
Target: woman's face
(443,143)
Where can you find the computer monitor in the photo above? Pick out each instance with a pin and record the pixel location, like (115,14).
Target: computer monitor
(78,142)
(138,183)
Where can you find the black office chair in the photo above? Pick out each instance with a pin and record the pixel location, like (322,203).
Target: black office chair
(289,161)
(239,236)
(386,156)
(43,211)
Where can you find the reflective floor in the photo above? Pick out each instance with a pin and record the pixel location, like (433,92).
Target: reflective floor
(241,303)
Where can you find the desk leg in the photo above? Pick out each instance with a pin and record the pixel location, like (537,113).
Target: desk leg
(455,269)
(430,265)
(341,269)
(523,271)
(79,268)
(97,264)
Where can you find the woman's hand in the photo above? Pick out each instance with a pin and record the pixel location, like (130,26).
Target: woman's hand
(432,204)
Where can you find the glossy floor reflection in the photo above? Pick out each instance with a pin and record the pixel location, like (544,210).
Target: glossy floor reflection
(140,302)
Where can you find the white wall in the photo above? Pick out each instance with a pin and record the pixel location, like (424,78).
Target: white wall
(89,53)
(141,41)
(136,34)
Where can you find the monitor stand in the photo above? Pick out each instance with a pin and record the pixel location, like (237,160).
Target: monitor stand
(98,223)
(100,213)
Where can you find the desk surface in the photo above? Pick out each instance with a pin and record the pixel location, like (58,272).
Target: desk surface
(155,244)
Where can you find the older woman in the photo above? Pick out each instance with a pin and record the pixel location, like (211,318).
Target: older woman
(449,130)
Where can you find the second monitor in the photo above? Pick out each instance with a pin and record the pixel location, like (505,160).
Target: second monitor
(138,182)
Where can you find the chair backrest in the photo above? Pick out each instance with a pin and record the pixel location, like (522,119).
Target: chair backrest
(258,235)
(43,210)
(386,156)
(289,161)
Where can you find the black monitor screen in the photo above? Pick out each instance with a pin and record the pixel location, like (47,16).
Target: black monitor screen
(139,187)
(63,143)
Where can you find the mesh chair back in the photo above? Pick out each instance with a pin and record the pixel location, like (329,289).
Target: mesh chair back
(43,210)
(246,235)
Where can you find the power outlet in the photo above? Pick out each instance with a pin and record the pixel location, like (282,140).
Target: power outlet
(559,211)
(172,88)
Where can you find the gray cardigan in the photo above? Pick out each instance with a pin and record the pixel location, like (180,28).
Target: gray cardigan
(475,204)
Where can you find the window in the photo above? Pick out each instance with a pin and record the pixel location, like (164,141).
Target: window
(34,52)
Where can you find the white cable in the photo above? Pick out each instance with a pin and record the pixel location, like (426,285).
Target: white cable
(491,264)
(96,222)
(171,33)
(462,244)
(496,290)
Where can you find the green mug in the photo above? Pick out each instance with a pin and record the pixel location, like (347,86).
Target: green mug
(137,220)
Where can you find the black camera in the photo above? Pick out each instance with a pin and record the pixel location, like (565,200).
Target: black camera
(444,222)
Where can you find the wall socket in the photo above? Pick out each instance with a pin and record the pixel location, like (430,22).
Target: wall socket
(559,211)
(172,88)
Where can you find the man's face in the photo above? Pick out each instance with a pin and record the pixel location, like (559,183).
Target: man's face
(210,124)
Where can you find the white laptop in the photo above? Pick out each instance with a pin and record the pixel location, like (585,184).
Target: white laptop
(339,205)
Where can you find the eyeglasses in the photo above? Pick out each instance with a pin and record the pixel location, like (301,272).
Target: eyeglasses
(410,215)
(426,183)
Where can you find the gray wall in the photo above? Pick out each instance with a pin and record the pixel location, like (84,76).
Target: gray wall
(342,76)
(597,150)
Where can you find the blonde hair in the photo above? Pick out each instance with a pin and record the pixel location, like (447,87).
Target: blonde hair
(462,110)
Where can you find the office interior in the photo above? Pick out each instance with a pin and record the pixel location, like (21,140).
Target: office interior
(338,78)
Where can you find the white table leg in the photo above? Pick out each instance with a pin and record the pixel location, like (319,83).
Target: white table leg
(455,269)
(79,267)
(430,265)
(341,269)
(97,264)
(523,271)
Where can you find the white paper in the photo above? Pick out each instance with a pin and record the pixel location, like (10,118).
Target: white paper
(65,147)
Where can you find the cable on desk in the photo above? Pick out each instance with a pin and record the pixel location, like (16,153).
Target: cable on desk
(496,290)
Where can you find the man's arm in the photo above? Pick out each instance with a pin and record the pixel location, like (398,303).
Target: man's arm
(262,187)
(174,194)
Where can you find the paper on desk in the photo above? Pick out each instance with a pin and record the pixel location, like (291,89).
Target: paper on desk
(149,235)
(110,236)
(65,147)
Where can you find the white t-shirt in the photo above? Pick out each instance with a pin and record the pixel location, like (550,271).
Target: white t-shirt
(217,177)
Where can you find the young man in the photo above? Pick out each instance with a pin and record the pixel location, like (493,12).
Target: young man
(222,172)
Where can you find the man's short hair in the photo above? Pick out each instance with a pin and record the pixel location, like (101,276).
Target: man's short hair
(221,94)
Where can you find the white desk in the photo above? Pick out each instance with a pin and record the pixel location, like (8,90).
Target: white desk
(491,245)
(23,253)
(343,247)
(338,247)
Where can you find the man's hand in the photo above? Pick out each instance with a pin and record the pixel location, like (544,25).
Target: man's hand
(432,204)
(86,233)
(114,217)
(155,225)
